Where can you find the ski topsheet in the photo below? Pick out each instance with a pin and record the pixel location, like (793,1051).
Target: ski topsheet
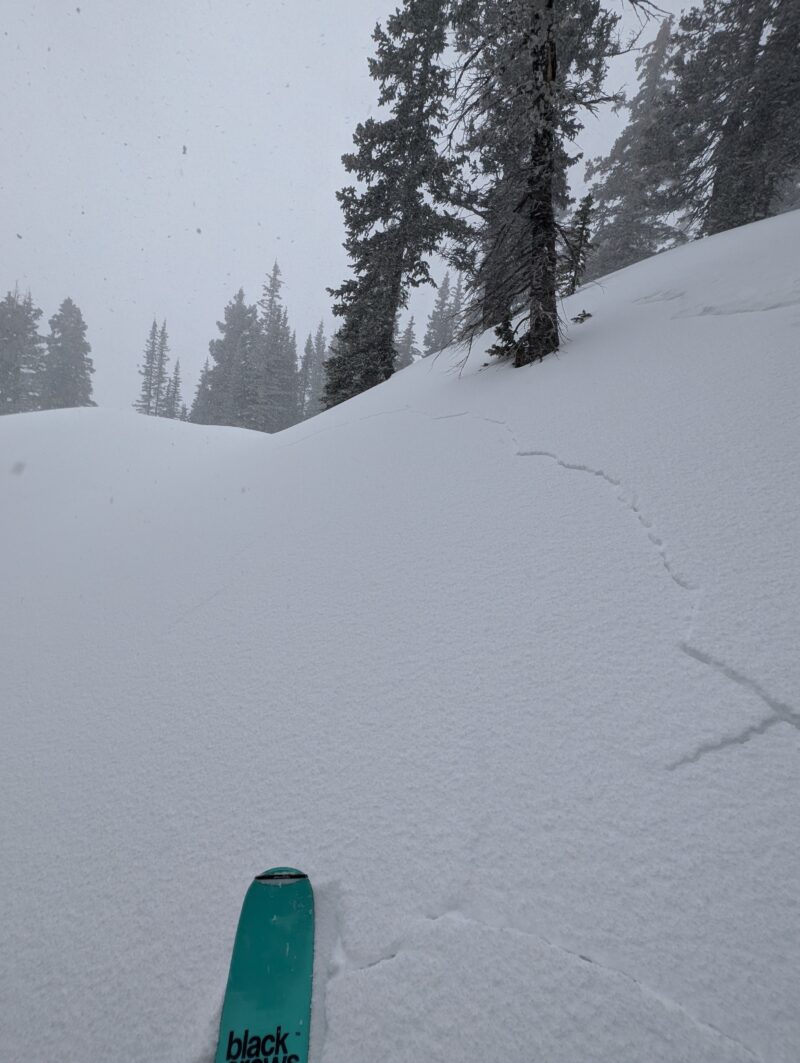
(267,1009)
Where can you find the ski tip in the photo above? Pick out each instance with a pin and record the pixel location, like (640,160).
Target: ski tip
(277,875)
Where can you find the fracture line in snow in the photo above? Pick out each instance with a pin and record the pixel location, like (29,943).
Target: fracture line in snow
(667,1003)
(627,499)
(781,711)
(342,962)
(739,739)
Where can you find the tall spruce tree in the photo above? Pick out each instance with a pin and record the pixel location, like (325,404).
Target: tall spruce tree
(734,112)
(528,70)
(304,376)
(312,373)
(202,411)
(631,220)
(400,216)
(576,246)
(144,404)
(67,376)
(316,376)
(232,391)
(294,408)
(21,354)
(160,373)
(153,372)
(278,392)
(173,402)
(455,311)
(407,350)
(439,331)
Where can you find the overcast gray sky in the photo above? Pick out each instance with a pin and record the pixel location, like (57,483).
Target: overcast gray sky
(159,154)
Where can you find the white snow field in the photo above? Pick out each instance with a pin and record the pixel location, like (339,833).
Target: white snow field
(507,660)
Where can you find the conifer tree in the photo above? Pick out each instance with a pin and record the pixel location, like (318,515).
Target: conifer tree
(734,113)
(407,350)
(631,220)
(528,70)
(21,354)
(153,372)
(455,311)
(577,245)
(67,375)
(160,375)
(278,393)
(202,405)
(231,392)
(439,331)
(144,404)
(294,409)
(173,403)
(316,377)
(304,376)
(312,373)
(402,215)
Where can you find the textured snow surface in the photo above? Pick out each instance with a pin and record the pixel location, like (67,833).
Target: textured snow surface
(507,660)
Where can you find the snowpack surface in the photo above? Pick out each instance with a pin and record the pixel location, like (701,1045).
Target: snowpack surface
(507,660)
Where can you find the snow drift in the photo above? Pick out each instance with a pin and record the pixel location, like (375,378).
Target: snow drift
(506,660)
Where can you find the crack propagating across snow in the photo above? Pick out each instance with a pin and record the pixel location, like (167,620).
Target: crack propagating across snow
(630,501)
(646,991)
(456,916)
(779,711)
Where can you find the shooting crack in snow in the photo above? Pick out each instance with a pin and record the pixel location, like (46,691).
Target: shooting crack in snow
(781,712)
(455,916)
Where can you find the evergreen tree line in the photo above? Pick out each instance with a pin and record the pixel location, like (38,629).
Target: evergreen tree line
(50,372)
(252,377)
(468,159)
(713,136)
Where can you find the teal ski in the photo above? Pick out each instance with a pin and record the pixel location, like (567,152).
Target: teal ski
(267,1009)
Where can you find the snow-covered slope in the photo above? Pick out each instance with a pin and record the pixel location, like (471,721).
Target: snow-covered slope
(507,660)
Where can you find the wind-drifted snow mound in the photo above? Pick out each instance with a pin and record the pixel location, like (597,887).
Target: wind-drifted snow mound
(506,660)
